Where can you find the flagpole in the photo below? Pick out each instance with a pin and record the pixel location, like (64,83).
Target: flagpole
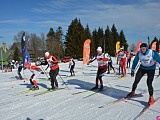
(25,53)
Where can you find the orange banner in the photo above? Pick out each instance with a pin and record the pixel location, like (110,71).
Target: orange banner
(86,51)
(138,46)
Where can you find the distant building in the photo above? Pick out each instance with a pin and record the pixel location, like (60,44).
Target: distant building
(18,45)
(6,55)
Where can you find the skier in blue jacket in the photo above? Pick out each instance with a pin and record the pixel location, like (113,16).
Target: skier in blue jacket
(148,59)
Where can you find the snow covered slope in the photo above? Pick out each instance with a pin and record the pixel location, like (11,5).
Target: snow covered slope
(15,104)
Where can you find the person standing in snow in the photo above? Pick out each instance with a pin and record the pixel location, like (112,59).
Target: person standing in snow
(148,59)
(20,66)
(54,69)
(71,66)
(129,57)
(110,66)
(35,73)
(122,57)
(102,67)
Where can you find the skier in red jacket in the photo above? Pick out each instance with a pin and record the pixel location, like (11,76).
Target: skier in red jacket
(35,70)
(102,67)
(122,57)
(54,69)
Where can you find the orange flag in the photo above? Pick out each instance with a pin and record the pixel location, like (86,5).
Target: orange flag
(86,51)
(138,46)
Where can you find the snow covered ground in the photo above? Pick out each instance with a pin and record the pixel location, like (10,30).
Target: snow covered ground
(63,105)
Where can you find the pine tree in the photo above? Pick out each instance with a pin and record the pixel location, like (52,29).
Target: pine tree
(16,55)
(95,39)
(75,39)
(100,37)
(115,37)
(87,35)
(59,42)
(123,40)
(108,41)
(50,41)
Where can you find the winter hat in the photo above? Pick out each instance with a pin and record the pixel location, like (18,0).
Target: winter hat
(121,48)
(144,45)
(46,54)
(99,49)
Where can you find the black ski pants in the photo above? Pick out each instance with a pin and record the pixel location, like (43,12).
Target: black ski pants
(53,74)
(72,69)
(150,76)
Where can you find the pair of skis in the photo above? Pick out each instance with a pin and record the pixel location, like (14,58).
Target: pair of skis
(120,100)
(47,91)
(39,92)
(146,108)
(95,92)
(120,77)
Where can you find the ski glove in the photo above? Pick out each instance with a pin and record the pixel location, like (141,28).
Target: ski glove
(132,73)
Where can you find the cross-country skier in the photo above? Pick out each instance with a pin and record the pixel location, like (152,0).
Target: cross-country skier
(109,63)
(35,72)
(102,67)
(71,66)
(129,57)
(122,57)
(20,66)
(148,58)
(54,69)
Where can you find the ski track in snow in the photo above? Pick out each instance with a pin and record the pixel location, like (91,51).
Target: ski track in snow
(62,105)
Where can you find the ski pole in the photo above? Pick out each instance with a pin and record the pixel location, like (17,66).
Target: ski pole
(109,84)
(102,74)
(64,82)
(45,72)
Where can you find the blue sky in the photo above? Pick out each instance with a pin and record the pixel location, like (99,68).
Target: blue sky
(138,18)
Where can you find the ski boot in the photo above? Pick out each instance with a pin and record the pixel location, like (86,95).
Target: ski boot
(34,88)
(118,74)
(53,88)
(131,94)
(95,88)
(101,88)
(151,100)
